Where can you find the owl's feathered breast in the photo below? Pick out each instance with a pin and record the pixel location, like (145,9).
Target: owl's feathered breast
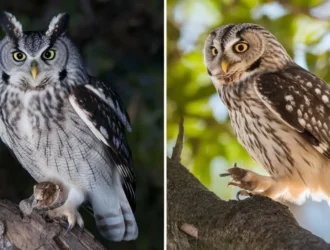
(45,133)
(268,139)
(254,126)
(78,131)
(21,108)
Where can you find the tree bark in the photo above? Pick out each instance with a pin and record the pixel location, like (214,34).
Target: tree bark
(33,232)
(198,219)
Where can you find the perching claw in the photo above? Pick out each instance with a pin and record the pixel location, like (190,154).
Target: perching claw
(243,193)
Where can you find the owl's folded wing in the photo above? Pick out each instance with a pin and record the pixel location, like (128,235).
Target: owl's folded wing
(102,111)
(301,100)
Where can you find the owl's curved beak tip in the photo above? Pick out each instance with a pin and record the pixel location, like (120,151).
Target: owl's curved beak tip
(224,66)
(34,70)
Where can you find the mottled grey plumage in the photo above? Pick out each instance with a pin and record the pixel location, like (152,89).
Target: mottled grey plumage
(65,126)
(280,112)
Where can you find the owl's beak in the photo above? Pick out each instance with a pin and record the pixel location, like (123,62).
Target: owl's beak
(224,65)
(34,69)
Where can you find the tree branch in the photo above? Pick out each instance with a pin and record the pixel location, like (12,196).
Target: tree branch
(31,231)
(177,150)
(198,219)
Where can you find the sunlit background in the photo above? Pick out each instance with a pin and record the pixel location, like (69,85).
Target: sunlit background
(303,28)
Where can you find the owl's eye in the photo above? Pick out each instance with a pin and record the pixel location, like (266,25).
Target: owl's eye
(241,47)
(214,51)
(19,56)
(49,54)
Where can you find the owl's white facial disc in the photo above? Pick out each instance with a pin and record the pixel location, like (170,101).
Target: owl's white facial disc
(34,61)
(38,70)
(234,53)
(27,66)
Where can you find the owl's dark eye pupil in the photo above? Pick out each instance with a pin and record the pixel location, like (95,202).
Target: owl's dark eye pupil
(240,47)
(20,56)
(48,54)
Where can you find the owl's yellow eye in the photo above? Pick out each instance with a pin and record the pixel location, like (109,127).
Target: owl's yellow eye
(49,54)
(19,56)
(214,51)
(241,47)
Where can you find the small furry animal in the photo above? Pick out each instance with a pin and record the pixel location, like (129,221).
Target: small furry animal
(280,112)
(65,126)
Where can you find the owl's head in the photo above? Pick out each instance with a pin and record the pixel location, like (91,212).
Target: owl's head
(34,60)
(236,51)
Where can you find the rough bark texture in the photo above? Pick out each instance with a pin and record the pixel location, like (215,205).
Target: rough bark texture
(198,219)
(33,232)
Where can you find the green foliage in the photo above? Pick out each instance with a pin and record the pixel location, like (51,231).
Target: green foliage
(210,145)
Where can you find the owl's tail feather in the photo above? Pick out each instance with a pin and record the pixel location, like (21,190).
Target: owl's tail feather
(114,217)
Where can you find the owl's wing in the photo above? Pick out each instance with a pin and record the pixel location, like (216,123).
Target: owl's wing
(301,100)
(103,112)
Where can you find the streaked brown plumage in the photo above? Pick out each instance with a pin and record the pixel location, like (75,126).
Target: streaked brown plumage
(280,112)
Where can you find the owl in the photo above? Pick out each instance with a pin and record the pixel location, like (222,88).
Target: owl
(65,126)
(279,111)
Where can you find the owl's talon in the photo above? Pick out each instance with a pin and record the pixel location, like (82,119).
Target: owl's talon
(237,173)
(224,174)
(70,213)
(80,221)
(229,171)
(242,193)
(70,226)
(231,183)
(250,182)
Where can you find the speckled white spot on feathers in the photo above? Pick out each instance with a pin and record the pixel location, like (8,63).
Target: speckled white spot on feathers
(307,102)
(299,113)
(325,99)
(288,98)
(309,84)
(104,132)
(318,91)
(325,126)
(313,120)
(302,122)
(289,108)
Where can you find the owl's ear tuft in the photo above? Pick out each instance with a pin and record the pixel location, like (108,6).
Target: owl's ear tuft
(58,26)
(11,26)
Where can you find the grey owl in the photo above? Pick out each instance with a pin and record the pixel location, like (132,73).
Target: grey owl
(280,113)
(65,126)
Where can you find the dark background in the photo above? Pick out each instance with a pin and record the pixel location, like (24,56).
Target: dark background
(121,43)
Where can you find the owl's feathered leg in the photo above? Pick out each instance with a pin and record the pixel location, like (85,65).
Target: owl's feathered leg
(113,214)
(70,209)
(254,183)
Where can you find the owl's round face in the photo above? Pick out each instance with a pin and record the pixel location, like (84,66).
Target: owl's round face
(234,52)
(33,62)
(38,60)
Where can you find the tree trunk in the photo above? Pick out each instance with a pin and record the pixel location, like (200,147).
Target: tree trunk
(33,232)
(198,219)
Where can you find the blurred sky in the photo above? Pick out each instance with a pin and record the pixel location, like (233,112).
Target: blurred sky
(201,16)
